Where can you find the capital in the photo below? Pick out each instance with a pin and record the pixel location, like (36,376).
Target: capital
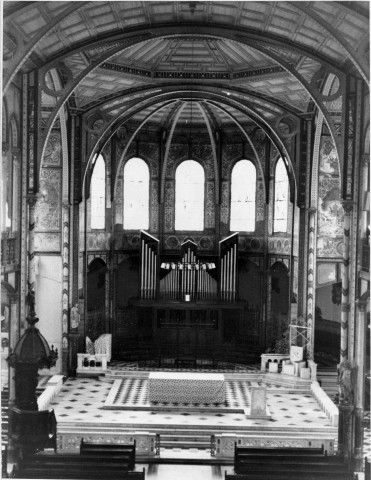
(32,199)
(347,205)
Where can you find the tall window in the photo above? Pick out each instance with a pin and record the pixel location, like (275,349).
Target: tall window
(243,188)
(281,197)
(136,195)
(189,196)
(98,194)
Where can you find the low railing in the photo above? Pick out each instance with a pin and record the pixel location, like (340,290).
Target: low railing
(53,387)
(325,402)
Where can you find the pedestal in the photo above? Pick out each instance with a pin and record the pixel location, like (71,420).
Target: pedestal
(345,431)
(358,440)
(72,358)
(258,401)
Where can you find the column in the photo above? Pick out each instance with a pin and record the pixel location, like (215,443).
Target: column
(14,334)
(65,283)
(346,409)
(348,207)
(359,399)
(311,282)
(31,200)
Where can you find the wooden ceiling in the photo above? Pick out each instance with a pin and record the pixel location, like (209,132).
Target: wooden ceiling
(263,54)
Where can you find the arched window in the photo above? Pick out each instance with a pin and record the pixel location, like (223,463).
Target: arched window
(136,195)
(281,197)
(98,194)
(189,196)
(243,188)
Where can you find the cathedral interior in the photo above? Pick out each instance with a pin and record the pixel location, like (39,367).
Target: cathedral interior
(185,190)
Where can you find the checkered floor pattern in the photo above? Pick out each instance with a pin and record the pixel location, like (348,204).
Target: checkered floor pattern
(83,399)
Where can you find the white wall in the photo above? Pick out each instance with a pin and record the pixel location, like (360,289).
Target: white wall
(49,303)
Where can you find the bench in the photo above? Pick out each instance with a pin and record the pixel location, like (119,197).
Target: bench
(239,450)
(244,459)
(288,463)
(294,475)
(81,473)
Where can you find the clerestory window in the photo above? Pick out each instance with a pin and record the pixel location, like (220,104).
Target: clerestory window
(136,195)
(281,197)
(243,190)
(189,196)
(98,194)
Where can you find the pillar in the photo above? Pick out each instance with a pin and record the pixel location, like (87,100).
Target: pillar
(311,282)
(65,283)
(14,333)
(348,207)
(360,352)
(31,200)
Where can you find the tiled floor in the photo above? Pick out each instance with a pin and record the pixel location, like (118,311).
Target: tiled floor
(82,400)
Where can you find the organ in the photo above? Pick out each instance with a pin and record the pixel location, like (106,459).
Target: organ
(149,249)
(188,277)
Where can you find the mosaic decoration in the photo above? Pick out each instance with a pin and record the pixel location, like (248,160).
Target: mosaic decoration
(178,152)
(130,241)
(279,245)
(224,203)
(210,207)
(208,164)
(53,150)
(48,207)
(330,215)
(260,201)
(250,244)
(47,242)
(169,205)
(98,241)
(119,201)
(154,211)
(204,242)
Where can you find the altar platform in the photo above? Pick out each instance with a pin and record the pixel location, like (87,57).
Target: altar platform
(96,410)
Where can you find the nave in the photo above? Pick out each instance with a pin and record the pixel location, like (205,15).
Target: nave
(185,230)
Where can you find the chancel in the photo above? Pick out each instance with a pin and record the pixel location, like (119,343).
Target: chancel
(185,213)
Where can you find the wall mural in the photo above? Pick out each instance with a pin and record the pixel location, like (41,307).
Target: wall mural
(210,206)
(330,210)
(48,207)
(154,211)
(53,150)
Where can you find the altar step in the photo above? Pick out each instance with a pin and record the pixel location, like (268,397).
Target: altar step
(185,441)
(328,379)
(290,382)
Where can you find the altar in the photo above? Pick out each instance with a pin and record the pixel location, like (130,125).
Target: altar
(186,387)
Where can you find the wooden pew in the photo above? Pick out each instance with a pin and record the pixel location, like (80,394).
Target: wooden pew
(245,461)
(95,461)
(290,463)
(295,475)
(279,451)
(80,473)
